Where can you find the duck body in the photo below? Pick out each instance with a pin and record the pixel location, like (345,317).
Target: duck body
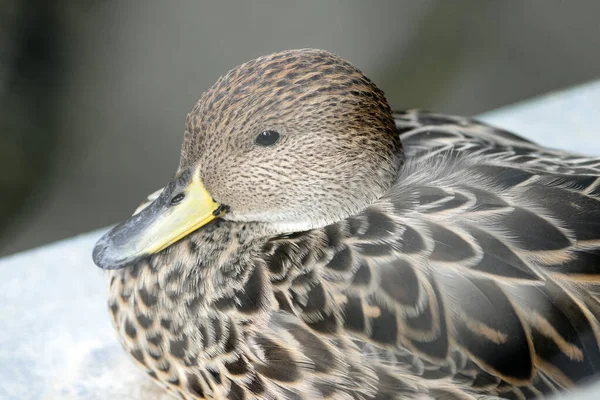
(474,275)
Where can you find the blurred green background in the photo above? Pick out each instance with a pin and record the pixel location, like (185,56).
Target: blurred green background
(93,94)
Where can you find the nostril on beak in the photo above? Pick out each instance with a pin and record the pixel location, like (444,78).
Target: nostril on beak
(177,199)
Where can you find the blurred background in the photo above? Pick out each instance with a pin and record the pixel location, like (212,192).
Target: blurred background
(94,93)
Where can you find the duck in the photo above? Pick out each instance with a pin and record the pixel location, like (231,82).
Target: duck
(315,244)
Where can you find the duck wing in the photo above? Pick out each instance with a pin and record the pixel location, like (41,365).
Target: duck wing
(479,272)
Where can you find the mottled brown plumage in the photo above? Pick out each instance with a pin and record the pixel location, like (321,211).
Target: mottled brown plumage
(465,266)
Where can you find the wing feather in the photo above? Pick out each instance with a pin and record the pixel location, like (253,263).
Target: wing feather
(478,272)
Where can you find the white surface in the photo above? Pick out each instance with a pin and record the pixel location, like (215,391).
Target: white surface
(568,120)
(56,341)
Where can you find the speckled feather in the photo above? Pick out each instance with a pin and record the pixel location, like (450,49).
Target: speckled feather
(470,273)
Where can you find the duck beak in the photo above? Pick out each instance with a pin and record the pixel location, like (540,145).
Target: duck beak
(180,209)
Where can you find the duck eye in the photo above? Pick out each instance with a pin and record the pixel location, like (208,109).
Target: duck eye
(267,138)
(177,199)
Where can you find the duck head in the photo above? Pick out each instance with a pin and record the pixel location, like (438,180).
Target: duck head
(293,141)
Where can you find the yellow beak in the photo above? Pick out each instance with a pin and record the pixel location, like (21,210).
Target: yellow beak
(182,207)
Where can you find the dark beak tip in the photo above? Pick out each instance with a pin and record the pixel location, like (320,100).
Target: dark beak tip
(107,256)
(100,255)
(116,248)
